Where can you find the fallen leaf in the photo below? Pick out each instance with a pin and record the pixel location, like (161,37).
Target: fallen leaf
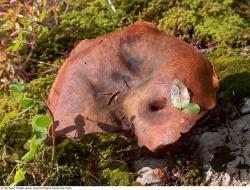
(179,94)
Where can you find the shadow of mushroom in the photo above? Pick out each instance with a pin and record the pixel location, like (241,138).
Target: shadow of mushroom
(79,121)
(235,87)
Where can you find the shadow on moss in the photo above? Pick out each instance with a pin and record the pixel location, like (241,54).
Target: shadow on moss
(235,87)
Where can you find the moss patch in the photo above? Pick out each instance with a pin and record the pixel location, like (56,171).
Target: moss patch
(82,20)
(233,70)
(18,130)
(196,21)
(97,160)
(235,87)
(200,21)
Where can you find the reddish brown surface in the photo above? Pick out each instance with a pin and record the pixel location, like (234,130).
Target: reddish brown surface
(123,80)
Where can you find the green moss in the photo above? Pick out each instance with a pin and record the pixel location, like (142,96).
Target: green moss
(93,161)
(235,87)
(117,177)
(155,9)
(97,160)
(228,65)
(16,132)
(194,21)
(131,9)
(192,177)
(201,21)
(233,71)
(190,169)
(178,22)
(80,163)
(82,20)
(40,87)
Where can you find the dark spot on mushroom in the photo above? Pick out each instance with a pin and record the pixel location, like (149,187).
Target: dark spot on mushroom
(157,104)
(115,76)
(132,61)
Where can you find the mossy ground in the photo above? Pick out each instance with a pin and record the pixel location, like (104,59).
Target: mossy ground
(101,159)
(233,68)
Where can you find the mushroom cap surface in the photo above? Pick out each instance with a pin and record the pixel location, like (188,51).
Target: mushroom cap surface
(123,80)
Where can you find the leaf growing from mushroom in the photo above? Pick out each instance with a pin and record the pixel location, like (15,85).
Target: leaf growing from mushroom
(192,108)
(179,94)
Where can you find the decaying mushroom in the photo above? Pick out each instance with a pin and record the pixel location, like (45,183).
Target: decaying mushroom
(125,80)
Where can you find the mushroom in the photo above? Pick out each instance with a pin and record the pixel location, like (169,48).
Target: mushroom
(123,80)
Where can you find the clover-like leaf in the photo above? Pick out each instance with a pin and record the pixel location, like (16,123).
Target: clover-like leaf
(16,87)
(41,121)
(193,108)
(27,103)
(40,125)
(179,94)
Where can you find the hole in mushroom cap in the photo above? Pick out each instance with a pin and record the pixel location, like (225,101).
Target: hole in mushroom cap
(157,104)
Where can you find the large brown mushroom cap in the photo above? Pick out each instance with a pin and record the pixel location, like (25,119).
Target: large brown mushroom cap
(124,79)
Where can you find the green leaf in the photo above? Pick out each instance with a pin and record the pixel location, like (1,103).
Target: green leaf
(27,102)
(19,176)
(193,108)
(40,136)
(18,44)
(41,121)
(40,125)
(179,94)
(32,152)
(17,88)
(7,118)
(43,14)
